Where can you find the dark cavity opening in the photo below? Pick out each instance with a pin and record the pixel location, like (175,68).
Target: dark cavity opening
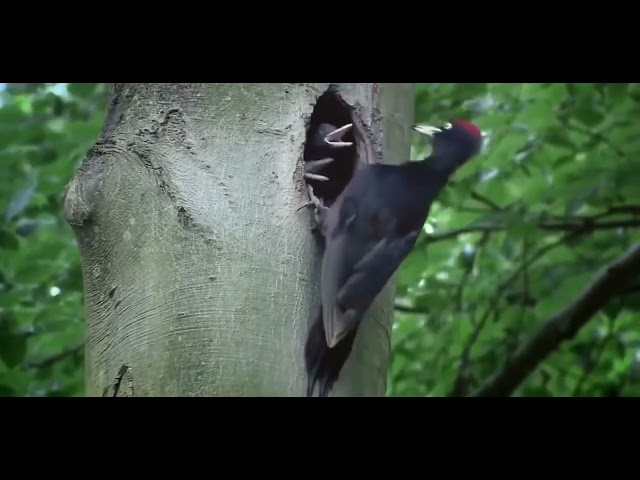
(331,109)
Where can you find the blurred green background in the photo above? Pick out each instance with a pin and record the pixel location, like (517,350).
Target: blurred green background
(519,232)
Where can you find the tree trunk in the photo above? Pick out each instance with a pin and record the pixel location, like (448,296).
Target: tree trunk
(200,277)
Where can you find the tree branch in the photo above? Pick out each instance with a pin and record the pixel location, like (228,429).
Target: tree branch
(578,224)
(485,201)
(563,325)
(56,357)
(408,309)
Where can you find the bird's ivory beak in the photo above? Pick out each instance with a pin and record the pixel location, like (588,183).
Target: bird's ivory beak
(427,130)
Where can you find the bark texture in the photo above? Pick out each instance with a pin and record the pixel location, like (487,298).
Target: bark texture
(200,277)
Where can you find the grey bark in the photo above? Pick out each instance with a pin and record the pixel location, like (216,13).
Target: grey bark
(200,277)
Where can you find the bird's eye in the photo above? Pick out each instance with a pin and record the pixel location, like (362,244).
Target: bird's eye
(447,126)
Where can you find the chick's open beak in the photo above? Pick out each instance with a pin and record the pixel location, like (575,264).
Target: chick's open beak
(426,130)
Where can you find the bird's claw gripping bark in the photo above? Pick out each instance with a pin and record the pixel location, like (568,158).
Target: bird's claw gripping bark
(320,209)
(334,139)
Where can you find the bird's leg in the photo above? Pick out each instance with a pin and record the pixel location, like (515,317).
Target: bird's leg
(320,210)
(333,139)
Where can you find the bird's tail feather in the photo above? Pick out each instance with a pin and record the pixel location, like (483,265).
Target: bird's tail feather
(323,363)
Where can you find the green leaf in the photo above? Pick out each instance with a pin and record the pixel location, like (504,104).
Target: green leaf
(588,115)
(7,391)
(8,240)
(411,269)
(558,137)
(11,115)
(82,90)
(13,346)
(617,92)
(521,224)
(10,299)
(38,272)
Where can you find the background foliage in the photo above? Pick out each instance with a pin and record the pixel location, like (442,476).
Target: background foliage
(519,233)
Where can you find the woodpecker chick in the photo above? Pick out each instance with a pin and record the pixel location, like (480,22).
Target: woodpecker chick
(320,153)
(369,231)
(326,140)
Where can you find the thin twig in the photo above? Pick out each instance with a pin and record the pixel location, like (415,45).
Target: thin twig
(577,224)
(468,270)
(461,383)
(485,201)
(406,309)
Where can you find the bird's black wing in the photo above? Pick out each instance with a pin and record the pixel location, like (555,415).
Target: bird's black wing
(362,253)
(356,267)
(374,271)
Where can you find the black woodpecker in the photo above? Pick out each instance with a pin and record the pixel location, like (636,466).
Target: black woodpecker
(369,230)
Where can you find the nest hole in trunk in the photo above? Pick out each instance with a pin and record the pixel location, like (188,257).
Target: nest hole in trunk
(331,109)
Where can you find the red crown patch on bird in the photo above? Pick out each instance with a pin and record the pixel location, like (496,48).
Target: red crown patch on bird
(471,128)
